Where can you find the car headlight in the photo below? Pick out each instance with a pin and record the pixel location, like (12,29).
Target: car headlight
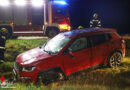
(28,69)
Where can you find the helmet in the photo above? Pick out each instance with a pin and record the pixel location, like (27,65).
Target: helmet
(80,27)
(95,15)
(3,30)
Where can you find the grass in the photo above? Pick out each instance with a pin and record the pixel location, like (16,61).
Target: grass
(98,79)
(15,47)
(102,77)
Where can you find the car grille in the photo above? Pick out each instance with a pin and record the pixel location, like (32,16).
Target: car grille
(17,66)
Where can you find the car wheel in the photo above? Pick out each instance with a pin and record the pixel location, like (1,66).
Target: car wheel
(115,60)
(39,80)
(46,78)
(60,76)
(52,33)
(42,79)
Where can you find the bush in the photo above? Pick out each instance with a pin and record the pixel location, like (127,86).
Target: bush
(8,66)
(6,69)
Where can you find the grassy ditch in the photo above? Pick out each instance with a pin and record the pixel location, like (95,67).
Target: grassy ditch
(99,79)
(15,47)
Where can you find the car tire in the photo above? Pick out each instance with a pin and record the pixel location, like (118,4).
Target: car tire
(42,79)
(115,60)
(60,76)
(52,33)
(45,78)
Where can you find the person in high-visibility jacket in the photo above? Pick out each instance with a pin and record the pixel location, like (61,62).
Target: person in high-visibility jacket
(3,33)
(95,22)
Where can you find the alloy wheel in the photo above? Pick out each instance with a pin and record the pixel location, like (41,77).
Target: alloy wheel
(115,60)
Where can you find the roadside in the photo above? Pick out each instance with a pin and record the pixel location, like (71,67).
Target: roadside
(32,37)
(126,37)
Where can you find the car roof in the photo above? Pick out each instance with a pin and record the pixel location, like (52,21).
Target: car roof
(88,30)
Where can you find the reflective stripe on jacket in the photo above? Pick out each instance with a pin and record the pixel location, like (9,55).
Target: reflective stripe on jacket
(2,47)
(95,23)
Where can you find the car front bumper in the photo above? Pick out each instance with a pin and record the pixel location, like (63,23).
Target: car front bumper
(20,78)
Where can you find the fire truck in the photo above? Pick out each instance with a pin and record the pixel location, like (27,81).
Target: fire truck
(34,17)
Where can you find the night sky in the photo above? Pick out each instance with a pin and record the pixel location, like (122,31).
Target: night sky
(112,13)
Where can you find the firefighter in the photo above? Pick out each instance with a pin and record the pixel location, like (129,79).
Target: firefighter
(3,33)
(95,22)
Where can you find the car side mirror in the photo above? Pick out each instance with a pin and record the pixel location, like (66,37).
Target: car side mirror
(70,53)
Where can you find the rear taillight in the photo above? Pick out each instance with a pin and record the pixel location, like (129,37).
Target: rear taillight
(123,47)
(64,27)
(123,41)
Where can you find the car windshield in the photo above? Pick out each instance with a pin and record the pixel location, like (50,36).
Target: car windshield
(56,44)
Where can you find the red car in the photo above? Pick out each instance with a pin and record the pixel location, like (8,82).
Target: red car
(69,52)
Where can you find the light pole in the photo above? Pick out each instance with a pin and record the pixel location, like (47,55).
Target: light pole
(44,15)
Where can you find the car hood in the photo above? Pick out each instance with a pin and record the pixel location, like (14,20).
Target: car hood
(32,56)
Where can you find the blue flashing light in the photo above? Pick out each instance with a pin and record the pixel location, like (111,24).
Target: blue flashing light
(60,2)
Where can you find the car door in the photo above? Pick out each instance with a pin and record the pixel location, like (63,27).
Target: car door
(100,48)
(77,56)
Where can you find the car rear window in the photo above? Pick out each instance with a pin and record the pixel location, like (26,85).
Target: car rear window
(99,39)
(108,36)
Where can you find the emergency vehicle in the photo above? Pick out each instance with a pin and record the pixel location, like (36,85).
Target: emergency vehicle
(34,17)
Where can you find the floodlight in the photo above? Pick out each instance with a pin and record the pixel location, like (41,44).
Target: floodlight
(4,2)
(37,3)
(20,2)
